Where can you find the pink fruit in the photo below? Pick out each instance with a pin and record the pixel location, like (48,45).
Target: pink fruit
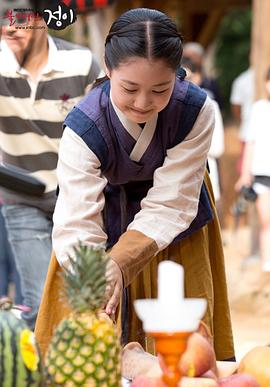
(143,381)
(205,332)
(199,356)
(238,380)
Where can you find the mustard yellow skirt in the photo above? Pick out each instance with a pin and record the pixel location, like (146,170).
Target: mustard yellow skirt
(201,255)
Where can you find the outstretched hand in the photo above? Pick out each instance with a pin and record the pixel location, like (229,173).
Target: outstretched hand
(114,287)
(244,180)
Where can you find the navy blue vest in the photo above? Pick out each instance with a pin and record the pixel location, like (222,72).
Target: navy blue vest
(96,122)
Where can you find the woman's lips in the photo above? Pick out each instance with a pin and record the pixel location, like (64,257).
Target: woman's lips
(142,112)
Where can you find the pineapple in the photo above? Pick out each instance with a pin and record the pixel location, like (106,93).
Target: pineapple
(85,349)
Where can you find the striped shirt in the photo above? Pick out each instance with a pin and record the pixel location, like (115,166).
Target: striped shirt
(32,113)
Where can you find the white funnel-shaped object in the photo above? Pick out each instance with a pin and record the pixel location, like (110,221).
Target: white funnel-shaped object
(170,312)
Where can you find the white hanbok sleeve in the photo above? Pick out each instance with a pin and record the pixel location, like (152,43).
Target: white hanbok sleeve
(78,211)
(217,143)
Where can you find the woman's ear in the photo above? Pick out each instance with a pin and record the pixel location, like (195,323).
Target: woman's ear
(107,71)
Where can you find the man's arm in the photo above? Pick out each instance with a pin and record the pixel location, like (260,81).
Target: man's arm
(236,112)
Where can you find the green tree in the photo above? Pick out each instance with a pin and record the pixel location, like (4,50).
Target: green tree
(233,48)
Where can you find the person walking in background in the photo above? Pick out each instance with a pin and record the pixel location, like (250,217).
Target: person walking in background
(41,79)
(8,271)
(132,177)
(195,52)
(217,144)
(242,98)
(255,170)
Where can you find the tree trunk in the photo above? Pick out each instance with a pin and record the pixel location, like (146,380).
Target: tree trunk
(260,47)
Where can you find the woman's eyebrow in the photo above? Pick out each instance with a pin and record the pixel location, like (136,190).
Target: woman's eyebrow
(136,84)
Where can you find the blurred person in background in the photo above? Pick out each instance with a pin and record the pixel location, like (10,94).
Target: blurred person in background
(217,144)
(255,170)
(241,99)
(195,52)
(8,272)
(41,79)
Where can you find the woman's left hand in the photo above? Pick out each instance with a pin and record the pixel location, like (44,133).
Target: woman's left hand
(114,287)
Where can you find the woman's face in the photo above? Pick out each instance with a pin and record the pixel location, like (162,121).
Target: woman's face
(141,87)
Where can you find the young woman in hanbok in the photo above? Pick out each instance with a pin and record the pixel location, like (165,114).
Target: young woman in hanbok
(132,177)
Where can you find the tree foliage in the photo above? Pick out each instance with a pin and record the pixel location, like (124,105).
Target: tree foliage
(233,49)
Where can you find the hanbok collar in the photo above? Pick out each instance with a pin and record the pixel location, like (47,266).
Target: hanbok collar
(142,136)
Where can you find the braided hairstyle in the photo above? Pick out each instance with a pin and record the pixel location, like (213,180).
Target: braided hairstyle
(145,33)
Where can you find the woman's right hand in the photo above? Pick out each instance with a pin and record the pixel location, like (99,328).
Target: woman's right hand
(114,287)
(245,180)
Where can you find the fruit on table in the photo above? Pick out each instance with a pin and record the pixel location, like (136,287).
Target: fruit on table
(238,380)
(205,332)
(226,368)
(198,382)
(20,363)
(199,356)
(143,381)
(137,362)
(85,349)
(256,362)
(198,359)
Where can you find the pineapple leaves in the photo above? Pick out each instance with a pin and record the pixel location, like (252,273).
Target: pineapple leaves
(85,282)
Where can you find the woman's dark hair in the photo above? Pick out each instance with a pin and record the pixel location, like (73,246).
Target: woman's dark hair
(146,33)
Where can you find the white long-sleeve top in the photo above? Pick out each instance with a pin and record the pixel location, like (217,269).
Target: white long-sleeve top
(216,150)
(169,206)
(258,133)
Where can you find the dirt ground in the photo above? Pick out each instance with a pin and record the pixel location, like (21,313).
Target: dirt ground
(249,288)
(249,294)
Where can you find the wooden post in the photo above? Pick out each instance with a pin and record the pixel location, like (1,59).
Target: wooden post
(78,31)
(99,23)
(260,46)
(211,26)
(95,34)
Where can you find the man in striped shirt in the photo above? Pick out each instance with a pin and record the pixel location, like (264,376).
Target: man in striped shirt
(41,79)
